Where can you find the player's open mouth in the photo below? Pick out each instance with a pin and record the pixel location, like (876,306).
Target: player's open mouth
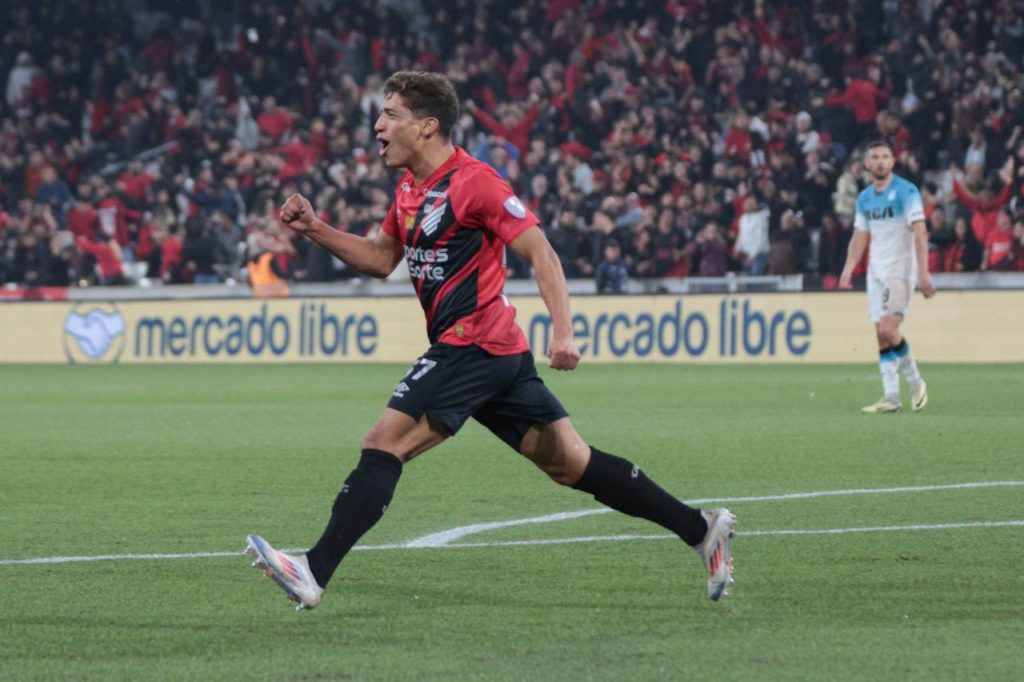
(383,147)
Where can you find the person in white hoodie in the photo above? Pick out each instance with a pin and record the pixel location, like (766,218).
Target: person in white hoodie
(19,79)
(752,238)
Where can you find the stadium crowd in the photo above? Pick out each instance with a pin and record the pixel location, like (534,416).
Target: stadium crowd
(653,138)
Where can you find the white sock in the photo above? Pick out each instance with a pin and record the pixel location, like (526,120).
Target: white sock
(909,365)
(890,369)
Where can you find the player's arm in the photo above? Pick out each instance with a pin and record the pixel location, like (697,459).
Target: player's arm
(376,257)
(533,247)
(858,242)
(924,278)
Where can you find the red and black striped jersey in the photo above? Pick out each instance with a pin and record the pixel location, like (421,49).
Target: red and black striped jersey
(454,228)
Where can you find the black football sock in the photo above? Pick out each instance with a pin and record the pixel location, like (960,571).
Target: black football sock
(362,501)
(621,485)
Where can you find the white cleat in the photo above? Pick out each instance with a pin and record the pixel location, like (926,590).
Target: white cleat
(291,573)
(715,551)
(883,406)
(920,396)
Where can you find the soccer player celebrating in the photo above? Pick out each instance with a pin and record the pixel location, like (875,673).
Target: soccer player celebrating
(889,214)
(451,221)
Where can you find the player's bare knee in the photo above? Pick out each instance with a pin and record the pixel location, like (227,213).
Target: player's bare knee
(561,472)
(371,441)
(564,466)
(558,451)
(889,331)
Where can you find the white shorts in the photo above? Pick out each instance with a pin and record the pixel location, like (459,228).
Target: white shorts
(889,297)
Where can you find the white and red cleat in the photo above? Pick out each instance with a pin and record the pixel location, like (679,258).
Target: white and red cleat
(715,551)
(291,573)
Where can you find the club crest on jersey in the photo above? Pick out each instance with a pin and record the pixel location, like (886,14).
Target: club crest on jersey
(515,207)
(433,219)
(892,195)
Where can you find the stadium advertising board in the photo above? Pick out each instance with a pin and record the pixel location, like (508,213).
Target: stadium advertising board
(955,326)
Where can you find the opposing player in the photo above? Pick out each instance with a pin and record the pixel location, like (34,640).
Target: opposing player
(451,220)
(890,216)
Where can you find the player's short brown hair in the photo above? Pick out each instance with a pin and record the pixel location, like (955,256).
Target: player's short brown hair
(427,95)
(878,143)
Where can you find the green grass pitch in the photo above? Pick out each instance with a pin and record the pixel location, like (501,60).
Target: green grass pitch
(129,460)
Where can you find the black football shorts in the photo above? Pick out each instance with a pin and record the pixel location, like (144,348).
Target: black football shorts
(450,384)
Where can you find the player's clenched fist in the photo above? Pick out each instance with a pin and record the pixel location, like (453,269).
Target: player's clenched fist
(297,213)
(563,354)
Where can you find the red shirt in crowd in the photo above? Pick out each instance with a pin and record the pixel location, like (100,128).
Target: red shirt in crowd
(518,135)
(135,186)
(170,254)
(274,124)
(113,218)
(108,260)
(863,97)
(984,215)
(999,244)
(83,221)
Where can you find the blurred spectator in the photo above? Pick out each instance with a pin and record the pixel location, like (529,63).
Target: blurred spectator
(807,138)
(848,187)
(939,237)
(266,278)
(31,259)
(710,255)
(984,204)
(890,129)
(571,245)
(975,150)
(1018,246)
(751,247)
(612,275)
(199,253)
(631,212)
(964,253)
(515,124)
(790,245)
(54,192)
(833,243)
(230,239)
(998,253)
(863,96)
(114,217)
(19,80)
(109,262)
(170,255)
(668,243)
(61,268)
(273,121)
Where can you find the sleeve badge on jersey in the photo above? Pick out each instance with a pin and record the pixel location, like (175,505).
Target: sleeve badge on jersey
(515,207)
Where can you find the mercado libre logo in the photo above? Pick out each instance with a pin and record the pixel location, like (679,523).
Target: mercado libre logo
(94,333)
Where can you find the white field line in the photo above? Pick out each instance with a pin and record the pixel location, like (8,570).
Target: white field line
(448,536)
(747,534)
(445,539)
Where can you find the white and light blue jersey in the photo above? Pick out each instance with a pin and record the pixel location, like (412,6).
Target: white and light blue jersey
(888,216)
